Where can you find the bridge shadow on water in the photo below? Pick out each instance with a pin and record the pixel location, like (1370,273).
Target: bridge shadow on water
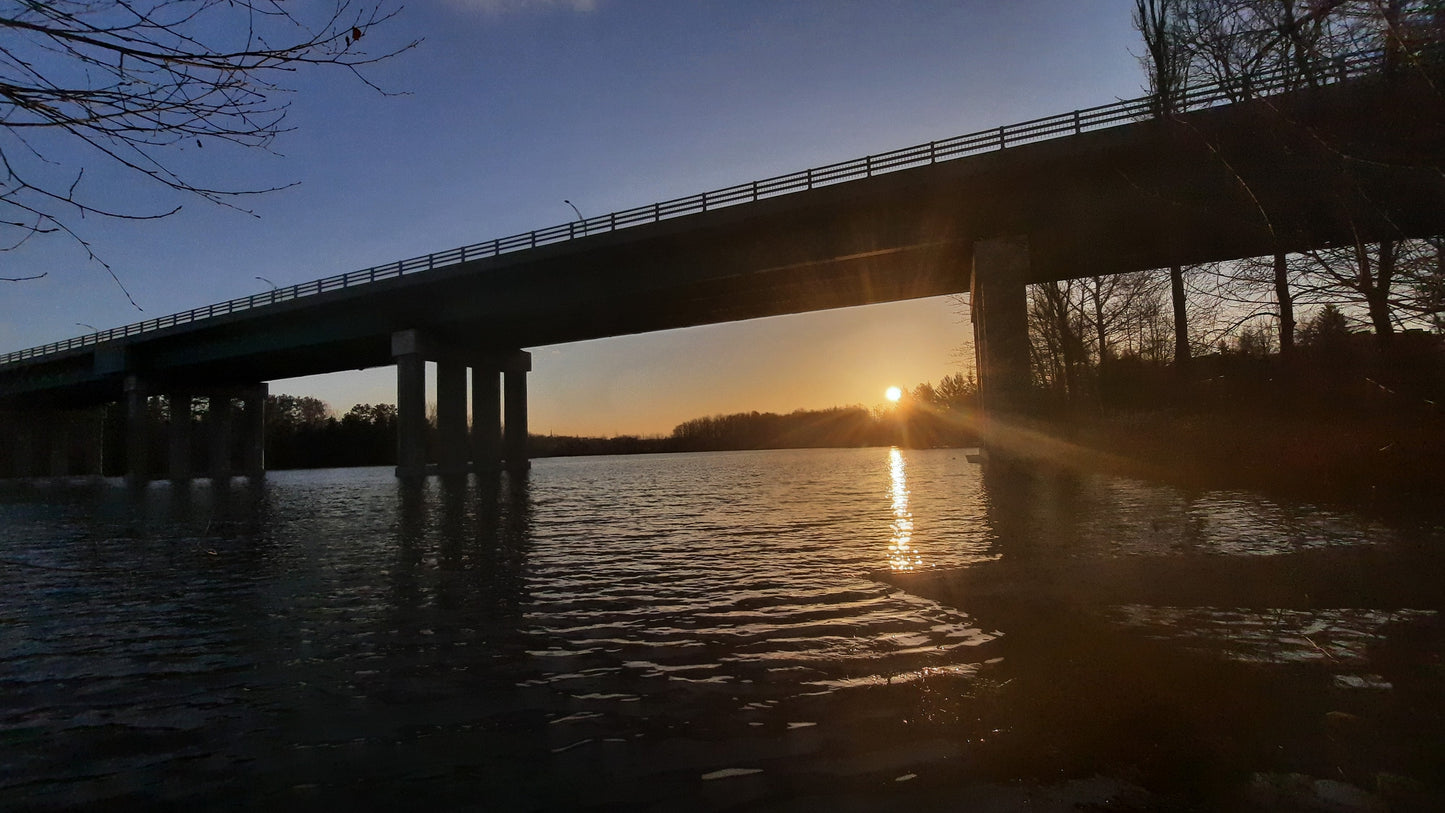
(1305,679)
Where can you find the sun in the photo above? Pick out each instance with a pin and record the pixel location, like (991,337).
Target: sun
(893,394)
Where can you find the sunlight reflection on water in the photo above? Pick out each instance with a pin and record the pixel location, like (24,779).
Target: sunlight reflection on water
(901,553)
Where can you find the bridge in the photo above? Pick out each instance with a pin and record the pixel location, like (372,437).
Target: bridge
(1246,170)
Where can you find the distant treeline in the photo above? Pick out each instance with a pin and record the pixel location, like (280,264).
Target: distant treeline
(927,416)
(302,432)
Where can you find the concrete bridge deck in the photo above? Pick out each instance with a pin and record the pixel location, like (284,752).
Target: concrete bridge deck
(1360,158)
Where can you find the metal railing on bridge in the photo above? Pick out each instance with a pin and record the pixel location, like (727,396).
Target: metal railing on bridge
(990,140)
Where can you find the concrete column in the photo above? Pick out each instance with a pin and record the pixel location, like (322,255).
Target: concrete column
(137,431)
(486,417)
(452,416)
(92,439)
(253,435)
(218,426)
(1000,323)
(514,438)
(180,435)
(58,438)
(410,404)
(24,437)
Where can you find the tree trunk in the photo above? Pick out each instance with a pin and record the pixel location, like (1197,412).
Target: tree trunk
(1393,45)
(1286,304)
(1100,331)
(1181,320)
(1377,295)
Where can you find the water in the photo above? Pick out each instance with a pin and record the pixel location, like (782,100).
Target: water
(657,631)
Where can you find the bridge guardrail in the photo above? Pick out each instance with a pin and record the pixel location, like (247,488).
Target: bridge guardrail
(997,138)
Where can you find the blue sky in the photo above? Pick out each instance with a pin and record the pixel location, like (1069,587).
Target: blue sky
(513,106)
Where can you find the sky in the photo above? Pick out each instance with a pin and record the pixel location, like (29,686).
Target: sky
(508,108)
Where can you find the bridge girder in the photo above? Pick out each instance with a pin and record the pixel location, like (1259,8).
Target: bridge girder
(1360,160)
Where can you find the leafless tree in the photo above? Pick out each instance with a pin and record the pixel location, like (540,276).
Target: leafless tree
(1389,279)
(1393,284)
(1166,63)
(130,84)
(1270,34)
(1255,341)
(1118,309)
(1166,59)
(1057,326)
(1079,327)
(1300,41)
(1426,285)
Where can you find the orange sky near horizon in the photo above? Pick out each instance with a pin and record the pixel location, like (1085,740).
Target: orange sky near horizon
(649,383)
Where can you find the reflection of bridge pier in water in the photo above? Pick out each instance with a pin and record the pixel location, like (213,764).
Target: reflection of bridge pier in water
(474,528)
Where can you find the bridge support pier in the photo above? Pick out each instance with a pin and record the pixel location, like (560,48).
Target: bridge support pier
(218,425)
(51,443)
(499,391)
(57,436)
(137,431)
(499,412)
(451,416)
(1001,336)
(514,403)
(22,449)
(91,425)
(253,455)
(486,417)
(410,404)
(180,432)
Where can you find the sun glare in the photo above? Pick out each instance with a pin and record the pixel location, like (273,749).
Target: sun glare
(893,394)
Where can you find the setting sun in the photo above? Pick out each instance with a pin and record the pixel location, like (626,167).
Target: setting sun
(893,394)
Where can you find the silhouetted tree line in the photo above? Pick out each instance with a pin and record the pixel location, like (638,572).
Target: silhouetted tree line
(1344,416)
(927,416)
(839,426)
(301,432)
(158,453)
(580,446)
(1334,367)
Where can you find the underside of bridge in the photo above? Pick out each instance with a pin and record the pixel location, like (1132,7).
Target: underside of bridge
(1357,161)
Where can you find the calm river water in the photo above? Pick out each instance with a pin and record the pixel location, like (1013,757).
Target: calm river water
(689,631)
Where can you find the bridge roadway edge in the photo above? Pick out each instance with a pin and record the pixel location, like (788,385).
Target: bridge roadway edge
(1220,183)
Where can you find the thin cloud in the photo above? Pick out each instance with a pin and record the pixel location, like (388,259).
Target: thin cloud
(498,8)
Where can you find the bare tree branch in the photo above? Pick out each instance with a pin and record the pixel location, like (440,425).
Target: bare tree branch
(131,83)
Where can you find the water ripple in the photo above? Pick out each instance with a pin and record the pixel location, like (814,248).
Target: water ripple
(156,646)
